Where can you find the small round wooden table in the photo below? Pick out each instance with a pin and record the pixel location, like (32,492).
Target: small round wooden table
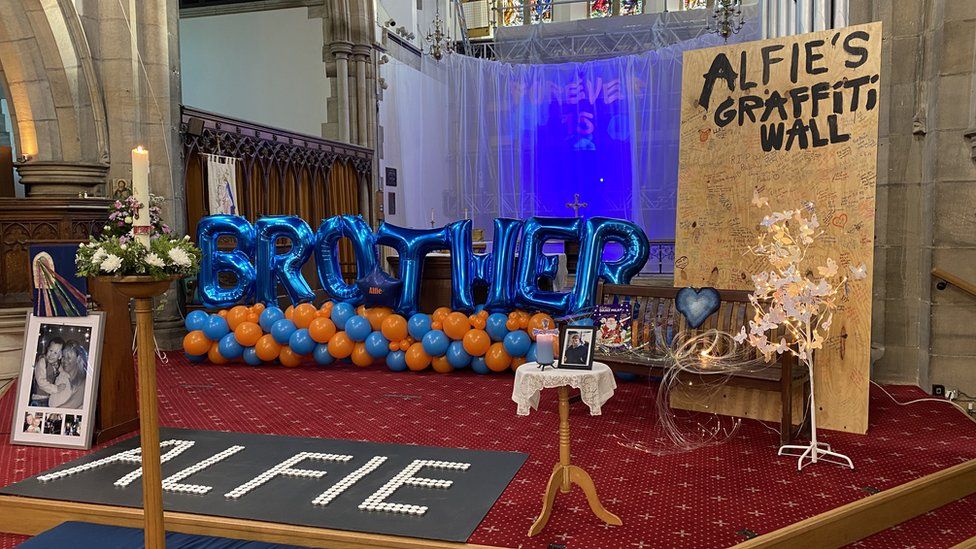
(596,387)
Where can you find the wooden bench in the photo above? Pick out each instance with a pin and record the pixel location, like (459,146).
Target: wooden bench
(654,314)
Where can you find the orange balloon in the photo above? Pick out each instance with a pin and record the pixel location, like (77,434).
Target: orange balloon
(321,330)
(483,314)
(523,321)
(253,317)
(512,324)
(478,323)
(289,310)
(214,355)
(394,327)
(436,325)
(237,315)
(517,361)
(456,325)
(405,344)
(539,321)
(196,343)
(267,348)
(327,306)
(361,310)
(441,365)
(248,333)
(497,359)
(376,315)
(258,308)
(394,346)
(476,342)
(303,315)
(340,346)
(222,313)
(289,358)
(440,314)
(359,355)
(417,358)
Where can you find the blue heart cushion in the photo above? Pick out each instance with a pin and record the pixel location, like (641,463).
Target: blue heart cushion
(697,304)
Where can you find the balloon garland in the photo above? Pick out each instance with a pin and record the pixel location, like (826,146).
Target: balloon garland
(444,341)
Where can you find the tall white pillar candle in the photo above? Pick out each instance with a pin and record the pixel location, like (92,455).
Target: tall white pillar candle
(141,226)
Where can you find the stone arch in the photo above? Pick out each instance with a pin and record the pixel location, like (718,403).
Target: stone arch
(55,98)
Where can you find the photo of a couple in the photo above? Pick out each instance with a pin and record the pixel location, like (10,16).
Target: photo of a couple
(61,367)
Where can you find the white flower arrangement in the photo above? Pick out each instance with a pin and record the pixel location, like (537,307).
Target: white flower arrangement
(789,296)
(123,256)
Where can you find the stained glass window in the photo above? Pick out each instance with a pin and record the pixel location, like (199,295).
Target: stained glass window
(542,11)
(511,14)
(631,7)
(600,8)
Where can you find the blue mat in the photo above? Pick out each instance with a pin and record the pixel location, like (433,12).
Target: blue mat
(84,535)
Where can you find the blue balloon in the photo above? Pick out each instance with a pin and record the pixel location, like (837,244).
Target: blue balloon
(435,343)
(478,308)
(517,343)
(418,325)
(495,326)
(274,268)
(397,361)
(377,346)
(597,233)
(412,245)
(300,342)
(269,316)
(196,320)
(497,269)
(533,263)
(625,376)
(322,356)
(195,358)
(281,331)
(215,328)
(479,366)
(357,328)
(251,357)
(355,228)
(530,354)
(342,312)
(229,347)
(457,356)
(214,261)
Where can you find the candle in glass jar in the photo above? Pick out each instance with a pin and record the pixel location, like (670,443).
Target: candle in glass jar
(140,191)
(544,348)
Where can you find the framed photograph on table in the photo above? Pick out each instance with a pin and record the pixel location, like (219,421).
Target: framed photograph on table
(58,384)
(576,347)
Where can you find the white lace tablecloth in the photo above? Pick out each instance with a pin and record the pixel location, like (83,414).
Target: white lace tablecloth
(596,386)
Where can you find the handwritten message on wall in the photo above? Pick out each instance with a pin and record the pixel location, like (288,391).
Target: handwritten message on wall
(796,120)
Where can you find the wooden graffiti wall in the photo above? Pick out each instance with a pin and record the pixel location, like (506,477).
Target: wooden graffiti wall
(796,120)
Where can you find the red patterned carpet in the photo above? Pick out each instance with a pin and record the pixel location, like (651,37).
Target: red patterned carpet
(711,497)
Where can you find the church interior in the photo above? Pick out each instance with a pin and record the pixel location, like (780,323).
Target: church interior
(488,273)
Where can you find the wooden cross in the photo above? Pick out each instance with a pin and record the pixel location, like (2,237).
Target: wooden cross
(576,205)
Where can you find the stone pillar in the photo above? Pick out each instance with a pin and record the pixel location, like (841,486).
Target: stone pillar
(341,52)
(49,178)
(361,53)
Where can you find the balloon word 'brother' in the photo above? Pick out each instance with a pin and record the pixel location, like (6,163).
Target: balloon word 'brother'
(511,271)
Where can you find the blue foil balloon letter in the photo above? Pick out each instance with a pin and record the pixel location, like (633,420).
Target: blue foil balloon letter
(285,268)
(533,263)
(356,229)
(597,233)
(412,245)
(497,270)
(215,261)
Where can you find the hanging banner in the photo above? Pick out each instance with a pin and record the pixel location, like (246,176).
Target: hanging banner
(793,120)
(222,184)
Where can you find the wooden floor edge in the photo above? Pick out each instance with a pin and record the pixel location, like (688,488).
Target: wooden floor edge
(968,544)
(31,516)
(864,517)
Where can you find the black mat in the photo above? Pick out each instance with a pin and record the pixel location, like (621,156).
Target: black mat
(452,515)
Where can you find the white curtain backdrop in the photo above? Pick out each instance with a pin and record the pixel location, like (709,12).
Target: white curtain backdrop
(525,139)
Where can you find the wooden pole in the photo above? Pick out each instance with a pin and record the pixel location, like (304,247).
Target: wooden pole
(152,488)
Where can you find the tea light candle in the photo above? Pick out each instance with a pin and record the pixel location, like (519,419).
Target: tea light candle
(140,190)
(544,348)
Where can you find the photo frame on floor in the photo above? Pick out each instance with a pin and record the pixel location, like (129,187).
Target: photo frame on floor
(58,384)
(576,345)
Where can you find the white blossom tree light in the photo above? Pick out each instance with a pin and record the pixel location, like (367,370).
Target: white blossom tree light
(791,298)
